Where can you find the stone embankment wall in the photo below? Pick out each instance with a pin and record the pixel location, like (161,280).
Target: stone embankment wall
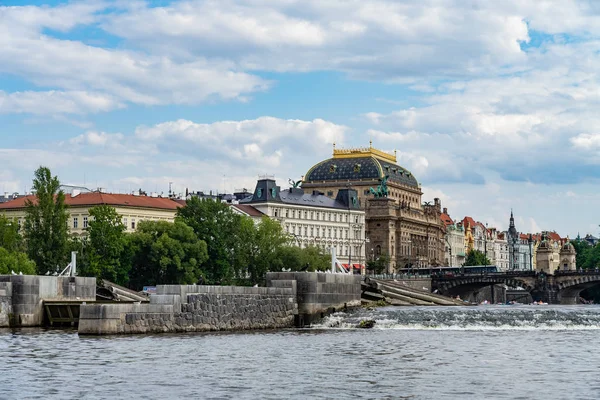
(27,293)
(319,293)
(192,308)
(5,303)
(289,299)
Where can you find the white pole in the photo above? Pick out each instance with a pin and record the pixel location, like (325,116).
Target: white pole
(333,260)
(73,263)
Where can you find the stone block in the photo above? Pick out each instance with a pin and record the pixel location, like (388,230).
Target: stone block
(25,299)
(19,289)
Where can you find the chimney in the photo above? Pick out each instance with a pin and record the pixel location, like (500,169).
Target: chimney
(445,210)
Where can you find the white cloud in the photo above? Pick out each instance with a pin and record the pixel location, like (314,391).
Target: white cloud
(377,39)
(93,79)
(56,102)
(93,138)
(262,141)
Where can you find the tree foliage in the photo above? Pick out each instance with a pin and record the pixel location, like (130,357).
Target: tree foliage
(15,261)
(105,244)
(476,257)
(10,238)
(379,265)
(161,252)
(311,258)
(268,238)
(219,227)
(46,223)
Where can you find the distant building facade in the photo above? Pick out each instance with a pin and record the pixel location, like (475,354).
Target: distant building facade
(132,208)
(455,241)
(315,219)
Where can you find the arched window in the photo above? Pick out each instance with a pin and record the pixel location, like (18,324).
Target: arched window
(378,250)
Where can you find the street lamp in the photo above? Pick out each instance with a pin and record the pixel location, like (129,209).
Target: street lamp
(409,252)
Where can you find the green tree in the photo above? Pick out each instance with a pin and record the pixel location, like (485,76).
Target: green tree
(583,249)
(310,259)
(106,241)
(10,238)
(476,257)
(161,252)
(15,262)
(46,223)
(268,239)
(316,258)
(379,265)
(219,227)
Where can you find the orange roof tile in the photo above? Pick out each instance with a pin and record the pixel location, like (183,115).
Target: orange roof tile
(446,219)
(554,236)
(97,198)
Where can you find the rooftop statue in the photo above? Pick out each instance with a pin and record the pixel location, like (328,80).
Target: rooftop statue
(382,190)
(295,184)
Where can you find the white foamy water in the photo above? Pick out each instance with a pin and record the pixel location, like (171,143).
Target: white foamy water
(479,318)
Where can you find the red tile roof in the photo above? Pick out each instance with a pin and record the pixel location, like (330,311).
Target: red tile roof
(446,219)
(97,198)
(468,221)
(248,210)
(554,236)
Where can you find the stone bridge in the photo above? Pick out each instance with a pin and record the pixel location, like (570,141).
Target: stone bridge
(560,288)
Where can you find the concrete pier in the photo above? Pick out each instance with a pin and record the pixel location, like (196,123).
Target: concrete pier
(22,296)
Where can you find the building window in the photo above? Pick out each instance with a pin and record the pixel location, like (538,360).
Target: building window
(133,223)
(312,231)
(125,222)
(305,214)
(276,213)
(330,193)
(305,231)
(311,215)
(329,232)
(294,214)
(75,223)
(287,213)
(85,222)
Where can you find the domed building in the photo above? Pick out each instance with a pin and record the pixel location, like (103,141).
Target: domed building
(398,225)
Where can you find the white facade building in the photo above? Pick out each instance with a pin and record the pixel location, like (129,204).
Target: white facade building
(455,245)
(499,256)
(315,219)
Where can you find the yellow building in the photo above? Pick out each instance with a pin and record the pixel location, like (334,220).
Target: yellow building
(132,208)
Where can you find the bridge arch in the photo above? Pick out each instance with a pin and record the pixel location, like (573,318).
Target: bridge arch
(570,287)
(467,286)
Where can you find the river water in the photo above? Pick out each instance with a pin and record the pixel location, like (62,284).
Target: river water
(485,352)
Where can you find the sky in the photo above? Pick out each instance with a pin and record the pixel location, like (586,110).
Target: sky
(493,105)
